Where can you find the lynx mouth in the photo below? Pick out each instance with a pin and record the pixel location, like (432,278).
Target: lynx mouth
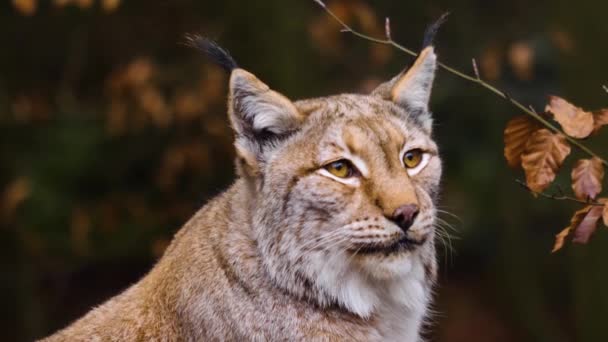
(404,244)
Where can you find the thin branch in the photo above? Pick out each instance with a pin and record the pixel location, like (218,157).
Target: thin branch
(473,79)
(560,190)
(560,197)
(320,3)
(475,69)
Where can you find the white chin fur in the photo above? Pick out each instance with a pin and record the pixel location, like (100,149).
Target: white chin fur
(384,268)
(362,287)
(345,284)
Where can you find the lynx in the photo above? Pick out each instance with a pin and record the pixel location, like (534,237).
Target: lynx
(326,235)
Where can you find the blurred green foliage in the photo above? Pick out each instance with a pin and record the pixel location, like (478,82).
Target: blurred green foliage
(112,134)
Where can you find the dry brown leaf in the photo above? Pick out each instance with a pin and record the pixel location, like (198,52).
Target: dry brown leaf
(516,135)
(490,62)
(587,176)
(543,155)
(26,7)
(604,201)
(83,4)
(560,239)
(588,225)
(575,221)
(521,57)
(366,16)
(575,122)
(325,32)
(139,72)
(61,3)
(110,5)
(605,214)
(563,40)
(600,118)
(15,193)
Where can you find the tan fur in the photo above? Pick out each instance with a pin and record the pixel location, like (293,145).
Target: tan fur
(278,256)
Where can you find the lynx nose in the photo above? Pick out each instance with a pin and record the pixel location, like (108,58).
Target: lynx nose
(405,215)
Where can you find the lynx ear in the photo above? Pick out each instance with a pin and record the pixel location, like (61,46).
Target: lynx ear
(260,116)
(412,88)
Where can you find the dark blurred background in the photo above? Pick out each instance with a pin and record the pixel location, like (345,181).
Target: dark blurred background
(113,133)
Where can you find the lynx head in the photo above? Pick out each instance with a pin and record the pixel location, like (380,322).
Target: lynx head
(342,187)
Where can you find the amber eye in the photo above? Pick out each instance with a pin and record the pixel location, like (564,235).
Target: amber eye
(341,168)
(412,158)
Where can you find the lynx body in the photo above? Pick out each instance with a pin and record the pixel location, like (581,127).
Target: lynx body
(327,235)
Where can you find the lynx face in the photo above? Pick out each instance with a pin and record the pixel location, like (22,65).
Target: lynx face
(344,187)
(356,186)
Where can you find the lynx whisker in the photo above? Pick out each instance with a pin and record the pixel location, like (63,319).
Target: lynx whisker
(446,242)
(348,261)
(447,224)
(319,240)
(328,241)
(449,214)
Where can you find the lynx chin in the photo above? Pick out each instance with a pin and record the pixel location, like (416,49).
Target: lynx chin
(326,235)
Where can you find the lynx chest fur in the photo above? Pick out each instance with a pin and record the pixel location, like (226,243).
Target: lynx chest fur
(327,235)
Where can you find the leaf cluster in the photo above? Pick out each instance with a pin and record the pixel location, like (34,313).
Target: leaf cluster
(541,152)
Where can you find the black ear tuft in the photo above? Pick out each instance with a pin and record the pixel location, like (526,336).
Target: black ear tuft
(431,31)
(215,52)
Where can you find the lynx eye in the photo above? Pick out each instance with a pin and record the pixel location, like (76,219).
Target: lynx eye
(341,168)
(412,158)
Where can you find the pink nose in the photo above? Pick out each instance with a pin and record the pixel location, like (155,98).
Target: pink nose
(405,215)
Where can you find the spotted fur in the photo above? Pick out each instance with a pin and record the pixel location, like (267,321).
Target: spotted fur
(291,252)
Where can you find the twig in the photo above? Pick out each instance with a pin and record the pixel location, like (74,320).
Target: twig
(387,28)
(560,197)
(475,69)
(605,88)
(560,190)
(473,79)
(320,3)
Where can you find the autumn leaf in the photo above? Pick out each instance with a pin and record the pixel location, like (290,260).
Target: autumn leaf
(13,196)
(560,239)
(521,57)
(576,122)
(543,155)
(84,4)
(26,7)
(605,215)
(588,225)
(576,219)
(518,131)
(490,62)
(366,16)
(600,118)
(582,224)
(110,5)
(587,176)
(604,201)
